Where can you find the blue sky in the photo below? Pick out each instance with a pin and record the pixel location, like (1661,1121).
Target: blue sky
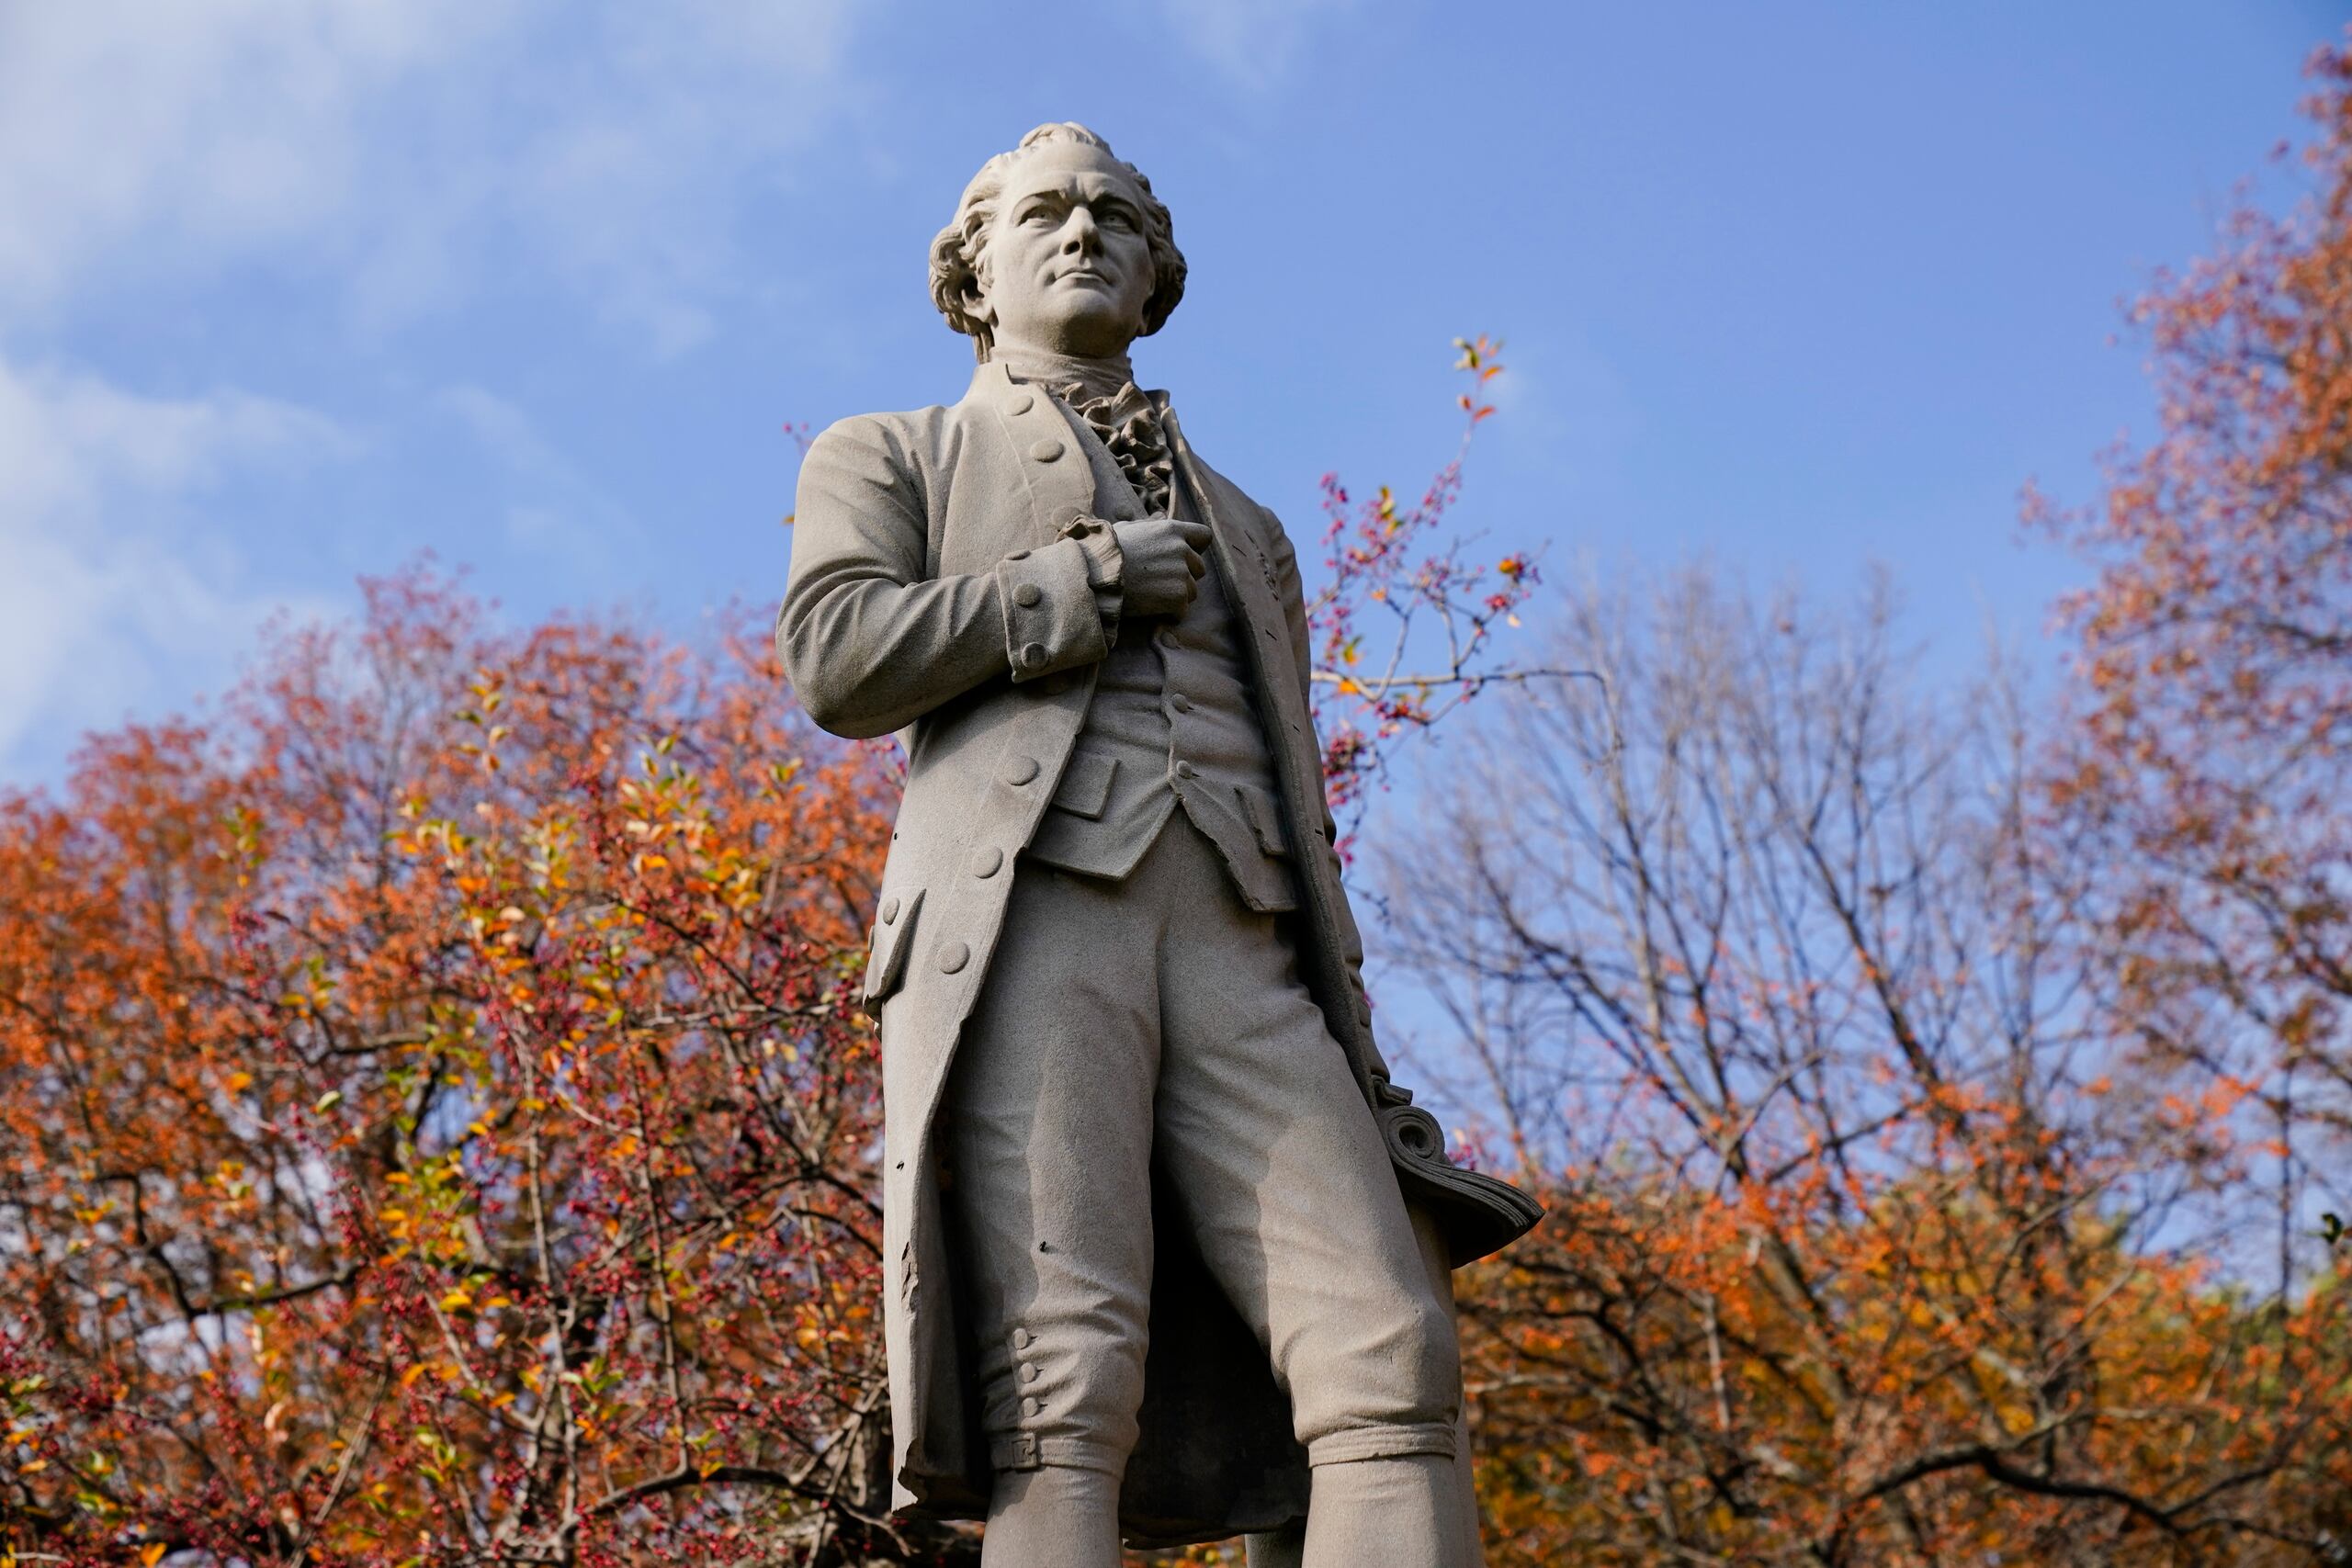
(291,291)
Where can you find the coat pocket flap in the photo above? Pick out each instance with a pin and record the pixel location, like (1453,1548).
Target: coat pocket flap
(1265,818)
(886,965)
(1085,788)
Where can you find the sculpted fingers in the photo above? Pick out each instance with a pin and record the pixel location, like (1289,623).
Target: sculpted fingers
(1163,564)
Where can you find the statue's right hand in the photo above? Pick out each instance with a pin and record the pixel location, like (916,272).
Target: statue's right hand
(1159,565)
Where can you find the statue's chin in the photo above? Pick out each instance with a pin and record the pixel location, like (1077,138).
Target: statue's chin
(1083,336)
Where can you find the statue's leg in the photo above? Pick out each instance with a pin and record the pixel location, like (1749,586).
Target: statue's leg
(1436,1263)
(1053,1516)
(1287,1185)
(1047,1124)
(1281,1549)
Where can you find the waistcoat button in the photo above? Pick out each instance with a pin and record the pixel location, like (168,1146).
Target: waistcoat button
(1021,770)
(1045,451)
(954,956)
(1028,593)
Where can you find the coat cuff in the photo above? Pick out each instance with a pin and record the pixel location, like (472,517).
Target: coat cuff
(1104,564)
(1051,621)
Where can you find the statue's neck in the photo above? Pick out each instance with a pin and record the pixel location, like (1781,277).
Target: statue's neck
(1100,377)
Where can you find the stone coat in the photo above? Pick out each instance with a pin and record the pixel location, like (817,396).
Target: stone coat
(932,593)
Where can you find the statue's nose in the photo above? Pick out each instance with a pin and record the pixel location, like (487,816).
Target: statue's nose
(1080,234)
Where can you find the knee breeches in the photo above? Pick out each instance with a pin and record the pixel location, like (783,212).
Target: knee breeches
(1159,1024)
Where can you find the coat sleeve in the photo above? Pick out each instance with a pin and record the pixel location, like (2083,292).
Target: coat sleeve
(871,643)
(1290,594)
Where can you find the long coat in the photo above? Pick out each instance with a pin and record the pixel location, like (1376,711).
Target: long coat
(932,594)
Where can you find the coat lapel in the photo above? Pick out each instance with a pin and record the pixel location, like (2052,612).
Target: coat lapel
(1052,462)
(1240,554)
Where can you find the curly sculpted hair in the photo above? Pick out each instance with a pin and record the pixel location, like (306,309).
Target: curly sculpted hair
(955,254)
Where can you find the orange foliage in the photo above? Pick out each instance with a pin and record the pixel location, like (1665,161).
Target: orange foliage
(434,1125)
(2213,757)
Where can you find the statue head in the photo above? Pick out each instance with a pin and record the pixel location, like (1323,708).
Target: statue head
(1057,245)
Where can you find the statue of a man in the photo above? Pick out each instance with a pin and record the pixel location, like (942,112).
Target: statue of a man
(1165,1249)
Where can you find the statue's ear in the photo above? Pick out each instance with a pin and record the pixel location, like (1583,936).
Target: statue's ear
(975,293)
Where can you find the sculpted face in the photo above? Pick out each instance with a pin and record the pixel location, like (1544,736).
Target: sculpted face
(1067,266)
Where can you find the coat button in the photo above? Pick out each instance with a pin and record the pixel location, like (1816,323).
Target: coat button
(889,911)
(1028,593)
(1185,770)
(1045,451)
(1023,402)
(987,859)
(954,956)
(1033,657)
(1181,703)
(1021,770)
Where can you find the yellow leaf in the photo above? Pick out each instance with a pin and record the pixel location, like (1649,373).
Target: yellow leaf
(153,1552)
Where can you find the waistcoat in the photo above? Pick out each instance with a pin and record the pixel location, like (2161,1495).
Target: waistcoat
(1172,725)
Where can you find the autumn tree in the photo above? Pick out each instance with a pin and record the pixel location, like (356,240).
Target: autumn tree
(1766,965)
(2212,755)
(433,1129)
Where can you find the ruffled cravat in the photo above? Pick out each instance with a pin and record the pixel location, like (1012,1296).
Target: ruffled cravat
(1129,426)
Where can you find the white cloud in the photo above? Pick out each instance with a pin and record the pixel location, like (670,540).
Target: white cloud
(1251,42)
(407,147)
(394,157)
(109,594)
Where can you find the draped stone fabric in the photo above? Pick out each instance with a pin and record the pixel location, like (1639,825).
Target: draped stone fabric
(1128,425)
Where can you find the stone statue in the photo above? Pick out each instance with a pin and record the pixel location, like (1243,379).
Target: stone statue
(1168,1255)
